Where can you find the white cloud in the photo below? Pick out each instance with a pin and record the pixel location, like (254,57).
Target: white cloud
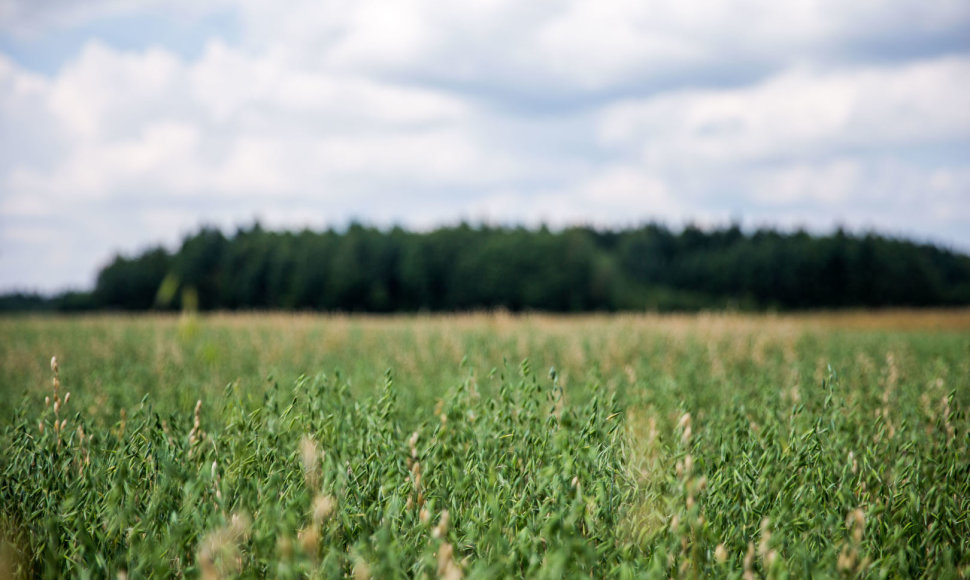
(420,112)
(32,19)
(826,183)
(798,113)
(105,92)
(515,49)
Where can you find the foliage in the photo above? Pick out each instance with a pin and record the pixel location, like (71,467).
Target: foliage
(578,269)
(655,446)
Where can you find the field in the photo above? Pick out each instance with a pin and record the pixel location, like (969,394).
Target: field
(486,445)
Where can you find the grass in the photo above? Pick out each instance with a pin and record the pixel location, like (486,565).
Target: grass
(486,445)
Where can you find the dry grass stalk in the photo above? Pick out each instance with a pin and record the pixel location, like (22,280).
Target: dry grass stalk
(220,552)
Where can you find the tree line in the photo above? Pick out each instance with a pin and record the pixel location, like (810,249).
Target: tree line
(465,267)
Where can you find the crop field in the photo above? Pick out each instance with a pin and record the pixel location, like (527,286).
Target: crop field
(485,446)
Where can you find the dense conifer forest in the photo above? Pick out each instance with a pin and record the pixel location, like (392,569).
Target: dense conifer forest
(465,267)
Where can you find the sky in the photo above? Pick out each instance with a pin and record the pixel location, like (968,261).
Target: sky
(128,124)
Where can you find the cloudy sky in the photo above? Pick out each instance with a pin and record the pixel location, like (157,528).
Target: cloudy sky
(125,124)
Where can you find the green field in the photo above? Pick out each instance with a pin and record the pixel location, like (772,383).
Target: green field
(486,445)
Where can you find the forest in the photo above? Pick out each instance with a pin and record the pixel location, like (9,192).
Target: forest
(471,267)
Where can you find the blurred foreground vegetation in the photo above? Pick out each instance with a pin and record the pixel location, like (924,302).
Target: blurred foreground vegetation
(486,446)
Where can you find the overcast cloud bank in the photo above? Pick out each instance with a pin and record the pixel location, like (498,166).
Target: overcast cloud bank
(812,114)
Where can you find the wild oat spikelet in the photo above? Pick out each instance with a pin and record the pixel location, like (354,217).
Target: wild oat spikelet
(442,528)
(216,481)
(323,508)
(417,494)
(684,425)
(749,563)
(310,457)
(768,556)
(720,553)
(846,561)
(219,552)
(856,521)
(448,569)
(416,475)
(947,425)
(309,539)
(361,569)
(412,444)
(59,425)
(284,547)
(849,562)
(195,435)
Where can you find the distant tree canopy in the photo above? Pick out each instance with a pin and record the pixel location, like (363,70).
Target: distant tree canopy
(477,267)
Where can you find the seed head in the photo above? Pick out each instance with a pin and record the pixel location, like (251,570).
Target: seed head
(54,367)
(239,525)
(856,521)
(323,506)
(444,555)
(684,421)
(846,561)
(720,553)
(412,443)
(763,545)
(309,538)
(310,458)
(361,569)
(284,546)
(442,528)
(749,563)
(447,568)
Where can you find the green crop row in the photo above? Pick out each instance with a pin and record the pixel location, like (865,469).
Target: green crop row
(736,452)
